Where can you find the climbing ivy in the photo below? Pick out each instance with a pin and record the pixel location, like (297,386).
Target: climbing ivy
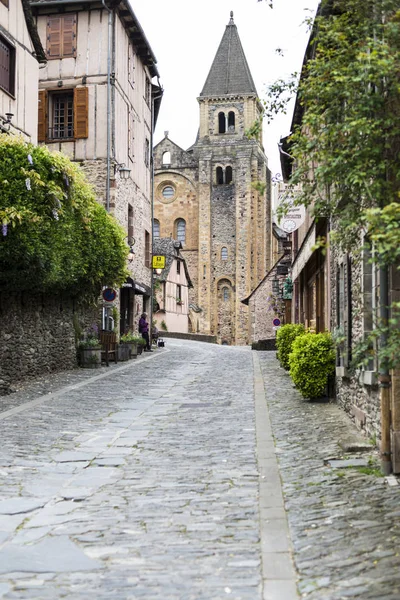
(54,236)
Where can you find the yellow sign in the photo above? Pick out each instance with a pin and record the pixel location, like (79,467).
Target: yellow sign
(158,262)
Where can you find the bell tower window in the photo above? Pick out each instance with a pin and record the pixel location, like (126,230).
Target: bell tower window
(221,123)
(231,121)
(220,176)
(228,175)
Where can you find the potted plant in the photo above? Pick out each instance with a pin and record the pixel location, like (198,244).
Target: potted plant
(141,345)
(90,349)
(131,341)
(179,301)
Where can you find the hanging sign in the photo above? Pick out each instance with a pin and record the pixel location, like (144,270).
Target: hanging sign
(158,262)
(295,215)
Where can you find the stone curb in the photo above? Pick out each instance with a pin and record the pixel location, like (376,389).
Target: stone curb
(278,573)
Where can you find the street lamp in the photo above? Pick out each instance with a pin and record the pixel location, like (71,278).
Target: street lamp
(131,254)
(123,171)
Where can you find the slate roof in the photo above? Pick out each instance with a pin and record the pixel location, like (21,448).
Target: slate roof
(170,249)
(229,74)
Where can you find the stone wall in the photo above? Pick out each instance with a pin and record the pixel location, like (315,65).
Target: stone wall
(38,336)
(356,392)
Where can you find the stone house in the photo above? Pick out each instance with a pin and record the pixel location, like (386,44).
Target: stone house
(207,197)
(339,292)
(21,54)
(172,284)
(98,105)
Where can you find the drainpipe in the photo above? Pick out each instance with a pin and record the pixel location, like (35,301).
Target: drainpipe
(108,175)
(384,375)
(152,208)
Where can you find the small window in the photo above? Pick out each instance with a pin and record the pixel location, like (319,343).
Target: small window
(7,66)
(224,253)
(181,230)
(131,66)
(147,152)
(62,116)
(166,158)
(220,175)
(147,91)
(130,223)
(168,191)
(225,294)
(131,134)
(221,122)
(147,250)
(178,266)
(231,121)
(179,293)
(156,229)
(228,175)
(61,36)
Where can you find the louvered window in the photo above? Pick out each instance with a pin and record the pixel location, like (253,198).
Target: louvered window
(61,36)
(131,66)
(7,66)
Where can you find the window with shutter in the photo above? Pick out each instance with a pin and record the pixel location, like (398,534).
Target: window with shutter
(7,66)
(42,118)
(131,66)
(81,110)
(131,134)
(61,36)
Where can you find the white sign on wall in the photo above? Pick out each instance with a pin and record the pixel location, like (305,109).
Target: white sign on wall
(295,215)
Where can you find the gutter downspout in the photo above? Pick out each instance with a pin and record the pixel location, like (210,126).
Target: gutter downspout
(152,209)
(384,375)
(108,175)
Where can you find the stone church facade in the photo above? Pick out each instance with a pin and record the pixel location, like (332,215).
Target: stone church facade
(215,198)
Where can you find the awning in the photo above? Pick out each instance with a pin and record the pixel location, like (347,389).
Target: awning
(304,254)
(142,289)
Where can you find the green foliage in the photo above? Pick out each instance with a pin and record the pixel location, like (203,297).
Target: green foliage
(163,325)
(311,362)
(131,337)
(284,340)
(141,341)
(54,236)
(345,145)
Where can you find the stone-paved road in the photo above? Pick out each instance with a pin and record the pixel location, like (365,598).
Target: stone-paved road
(140,481)
(158,480)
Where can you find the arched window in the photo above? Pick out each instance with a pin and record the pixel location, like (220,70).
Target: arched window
(156,229)
(220,176)
(228,175)
(225,294)
(224,253)
(231,121)
(181,230)
(221,122)
(166,158)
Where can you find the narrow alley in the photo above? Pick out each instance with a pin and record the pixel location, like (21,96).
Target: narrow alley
(161,479)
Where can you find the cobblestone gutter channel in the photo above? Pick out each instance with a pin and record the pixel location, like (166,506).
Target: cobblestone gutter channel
(344,524)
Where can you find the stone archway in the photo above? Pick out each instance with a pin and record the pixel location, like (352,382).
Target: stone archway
(225,310)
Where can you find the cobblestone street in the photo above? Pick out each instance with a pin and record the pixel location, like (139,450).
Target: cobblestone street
(158,479)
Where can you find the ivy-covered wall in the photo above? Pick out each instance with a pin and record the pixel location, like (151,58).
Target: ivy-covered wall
(38,335)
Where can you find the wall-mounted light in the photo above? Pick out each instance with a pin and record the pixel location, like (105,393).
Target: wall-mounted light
(131,254)
(7,121)
(123,171)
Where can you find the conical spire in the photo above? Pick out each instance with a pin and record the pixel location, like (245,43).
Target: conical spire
(229,74)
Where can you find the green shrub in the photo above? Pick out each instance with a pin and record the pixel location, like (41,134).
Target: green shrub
(311,361)
(54,236)
(284,340)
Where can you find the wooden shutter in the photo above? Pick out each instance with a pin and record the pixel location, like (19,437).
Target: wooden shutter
(81,110)
(68,36)
(42,120)
(131,66)
(53,37)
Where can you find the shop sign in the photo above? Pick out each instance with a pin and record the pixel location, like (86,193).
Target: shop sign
(295,215)
(158,262)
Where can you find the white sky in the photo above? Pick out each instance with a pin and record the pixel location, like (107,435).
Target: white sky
(185,35)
